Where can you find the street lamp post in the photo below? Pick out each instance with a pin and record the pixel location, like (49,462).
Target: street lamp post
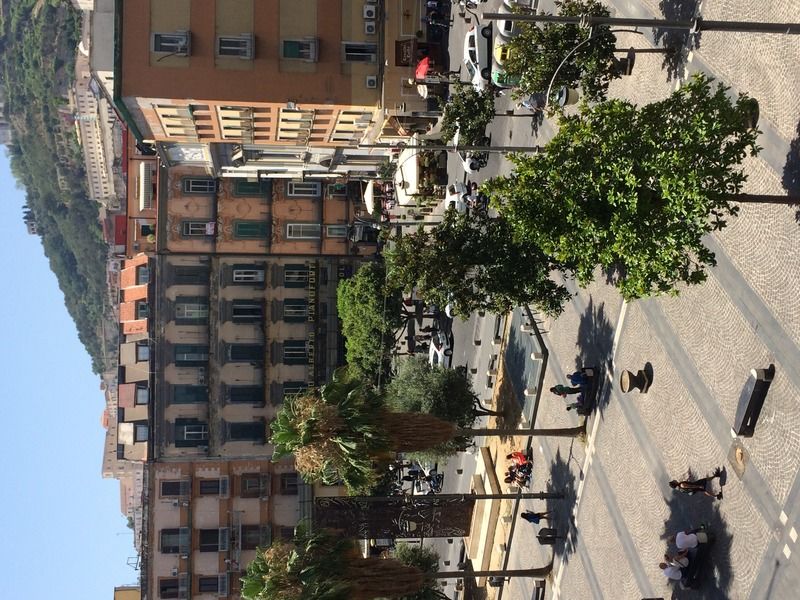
(460,147)
(695,25)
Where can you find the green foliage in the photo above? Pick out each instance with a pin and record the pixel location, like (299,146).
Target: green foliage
(474,262)
(425,559)
(634,190)
(538,50)
(470,111)
(332,432)
(370,313)
(38,41)
(420,387)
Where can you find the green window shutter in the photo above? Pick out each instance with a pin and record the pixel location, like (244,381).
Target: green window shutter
(251,229)
(246,352)
(292,49)
(252,188)
(295,352)
(189,355)
(189,394)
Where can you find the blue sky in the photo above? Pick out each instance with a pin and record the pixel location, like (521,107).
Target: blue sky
(59,517)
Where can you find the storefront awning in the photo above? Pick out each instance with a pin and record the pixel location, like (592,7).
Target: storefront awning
(145,186)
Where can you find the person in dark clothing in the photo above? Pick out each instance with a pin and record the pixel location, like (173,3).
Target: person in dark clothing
(534,517)
(699,485)
(563,391)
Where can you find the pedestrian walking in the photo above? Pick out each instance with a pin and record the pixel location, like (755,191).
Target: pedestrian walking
(689,538)
(534,517)
(577,378)
(577,404)
(564,391)
(690,487)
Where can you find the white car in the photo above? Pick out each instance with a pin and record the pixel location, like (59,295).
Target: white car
(456,192)
(441,350)
(478,56)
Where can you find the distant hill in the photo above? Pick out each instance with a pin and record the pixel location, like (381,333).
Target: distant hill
(37,56)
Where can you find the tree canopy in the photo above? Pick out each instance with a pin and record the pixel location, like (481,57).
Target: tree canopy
(474,262)
(537,51)
(370,313)
(633,189)
(468,110)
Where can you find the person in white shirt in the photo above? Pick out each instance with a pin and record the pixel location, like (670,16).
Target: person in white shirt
(670,572)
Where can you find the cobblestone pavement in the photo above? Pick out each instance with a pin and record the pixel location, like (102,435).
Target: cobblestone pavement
(701,346)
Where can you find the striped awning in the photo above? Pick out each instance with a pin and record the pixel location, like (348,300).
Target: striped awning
(145,186)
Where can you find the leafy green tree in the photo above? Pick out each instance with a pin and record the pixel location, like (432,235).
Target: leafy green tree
(426,560)
(536,53)
(474,262)
(469,110)
(634,190)
(370,313)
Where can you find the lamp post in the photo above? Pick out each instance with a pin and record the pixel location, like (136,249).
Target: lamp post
(695,25)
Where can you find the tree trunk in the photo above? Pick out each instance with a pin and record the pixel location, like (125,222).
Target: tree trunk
(415,432)
(540,572)
(382,578)
(555,432)
(767,199)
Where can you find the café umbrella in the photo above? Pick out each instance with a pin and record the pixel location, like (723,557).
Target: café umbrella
(423,67)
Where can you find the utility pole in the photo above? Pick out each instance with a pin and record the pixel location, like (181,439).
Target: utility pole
(460,147)
(695,25)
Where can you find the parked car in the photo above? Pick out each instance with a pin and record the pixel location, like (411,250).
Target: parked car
(455,198)
(477,55)
(441,349)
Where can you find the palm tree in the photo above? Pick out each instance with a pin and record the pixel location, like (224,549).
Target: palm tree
(321,566)
(338,432)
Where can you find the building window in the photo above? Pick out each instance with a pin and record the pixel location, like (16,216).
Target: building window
(213,487)
(190,355)
(189,394)
(254,536)
(191,310)
(252,431)
(142,275)
(289,483)
(198,228)
(190,433)
(337,189)
(303,231)
(173,43)
(246,352)
(168,588)
(142,309)
(247,311)
(254,485)
(336,231)
(214,540)
(359,52)
(251,229)
(303,189)
(175,541)
(142,351)
(140,432)
(199,185)
(191,275)
(299,49)
(284,533)
(295,276)
(213,584)
(240,46)
(251,188)
(175,489)
(291,388)
(246,394)
(295,310)
(295,352)
(142,394)
(248,274)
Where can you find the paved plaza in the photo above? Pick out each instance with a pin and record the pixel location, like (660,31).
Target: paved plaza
(701,346)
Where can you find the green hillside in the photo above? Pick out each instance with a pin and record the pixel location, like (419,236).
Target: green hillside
(38,43)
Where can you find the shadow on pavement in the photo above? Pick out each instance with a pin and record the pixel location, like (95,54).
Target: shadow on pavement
(791,170)
(562,480)
(471,590)
(689,512)
(677,39)
(595,342)
(508,404)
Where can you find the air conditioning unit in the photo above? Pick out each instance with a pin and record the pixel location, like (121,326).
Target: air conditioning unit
(370,11)
(371,82)
(175,571)
(370,27)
